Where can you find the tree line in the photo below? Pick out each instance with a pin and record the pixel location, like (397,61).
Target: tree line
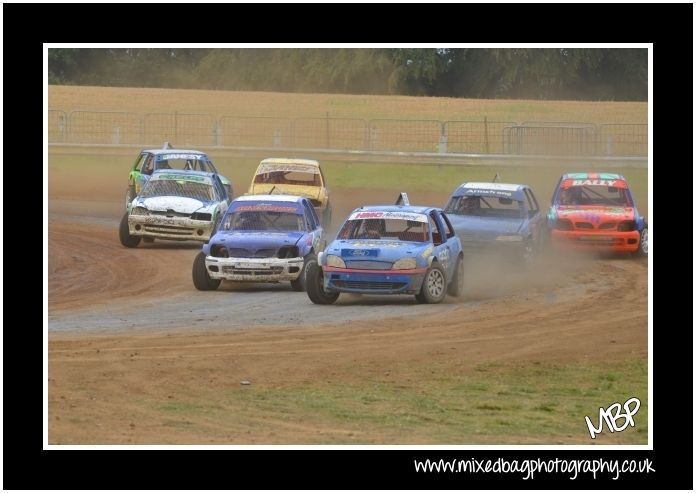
(619,74)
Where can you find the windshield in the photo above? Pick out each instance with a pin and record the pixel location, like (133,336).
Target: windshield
(384,229)
(263,221)
(473,205)
(594,195)
(178,188)
(289,178)
(195,162)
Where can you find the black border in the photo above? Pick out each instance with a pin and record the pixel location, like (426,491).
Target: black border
(369,23)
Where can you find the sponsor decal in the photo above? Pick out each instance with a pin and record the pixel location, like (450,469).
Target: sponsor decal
(265,208)
(300,168)
(594,182)
(181,177)
(161,157)
(488,193)
(372,244)
(406,216)
(491,186)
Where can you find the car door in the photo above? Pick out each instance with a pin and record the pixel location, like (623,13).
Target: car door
(315,226)
(536,221)
(442,249)
(136,172)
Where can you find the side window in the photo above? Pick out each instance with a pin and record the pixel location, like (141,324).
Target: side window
(309,216)
(437,234)
(219,189)
(532,205)
(449,230)
(139,161)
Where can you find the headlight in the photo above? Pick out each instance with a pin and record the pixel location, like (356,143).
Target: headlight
(202,216)
(509,238)
(335,261)
(405,263)
(140,211)
(626,226)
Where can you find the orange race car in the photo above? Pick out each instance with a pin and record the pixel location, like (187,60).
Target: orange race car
(596,211)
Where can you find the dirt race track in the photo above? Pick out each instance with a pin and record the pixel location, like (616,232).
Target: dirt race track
(129,322)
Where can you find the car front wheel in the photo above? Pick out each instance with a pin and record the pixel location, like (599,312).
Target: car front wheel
(300,284)
(201,278)
(643,243)
(315,286)
(434,287)
(127,240)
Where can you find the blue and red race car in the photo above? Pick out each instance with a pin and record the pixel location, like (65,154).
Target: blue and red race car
(390,249)
(596,212)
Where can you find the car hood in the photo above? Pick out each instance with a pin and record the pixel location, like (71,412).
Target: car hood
(183,205)
(257,239)
(309,192)
(475,224)
(593,213)
(384,250)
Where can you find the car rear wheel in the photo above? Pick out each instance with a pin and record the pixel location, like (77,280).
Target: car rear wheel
(300,284)
(201,278)
(127,240)
(434,287)
(456,285)
(315,286)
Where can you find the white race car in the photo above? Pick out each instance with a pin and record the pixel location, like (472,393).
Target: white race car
(175,205)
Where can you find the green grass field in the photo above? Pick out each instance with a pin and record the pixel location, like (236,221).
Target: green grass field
(102,165)
(493,404)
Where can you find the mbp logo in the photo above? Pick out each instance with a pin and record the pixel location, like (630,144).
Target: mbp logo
(613,414)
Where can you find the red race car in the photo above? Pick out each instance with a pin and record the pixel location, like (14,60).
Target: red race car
(596,211)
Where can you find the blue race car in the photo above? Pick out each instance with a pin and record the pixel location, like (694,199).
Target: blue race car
(497,217)
(390,249)
(262,238)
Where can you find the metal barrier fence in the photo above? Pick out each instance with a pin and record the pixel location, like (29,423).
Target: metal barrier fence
(57,126)
(346,134)
(113,127)
(476,137)
(623,139)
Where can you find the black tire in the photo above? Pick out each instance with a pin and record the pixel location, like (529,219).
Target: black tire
(456,285)
(130,195)
(434,288)
(300,284)
(315,286)
(127,240)
(201,279)
(642,243)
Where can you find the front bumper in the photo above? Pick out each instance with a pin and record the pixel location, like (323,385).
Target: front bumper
(170,228)
(608,241)
(376,282)
(254,269)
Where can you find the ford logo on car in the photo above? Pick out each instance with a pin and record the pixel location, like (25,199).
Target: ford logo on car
(360,253)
